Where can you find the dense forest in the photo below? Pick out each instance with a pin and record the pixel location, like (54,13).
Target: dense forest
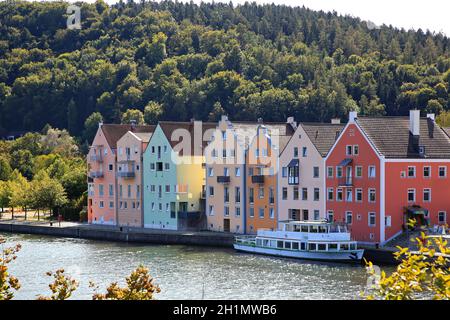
(177,61)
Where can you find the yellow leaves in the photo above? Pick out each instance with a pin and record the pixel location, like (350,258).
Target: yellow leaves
(8,283)
(62,287)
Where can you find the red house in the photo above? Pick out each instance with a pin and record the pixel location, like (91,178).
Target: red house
(383,170)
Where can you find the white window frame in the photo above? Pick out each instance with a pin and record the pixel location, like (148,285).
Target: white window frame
(374,215)
(423,194)
(414,192)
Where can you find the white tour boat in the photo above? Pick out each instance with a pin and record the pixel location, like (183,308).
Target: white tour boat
(315,240)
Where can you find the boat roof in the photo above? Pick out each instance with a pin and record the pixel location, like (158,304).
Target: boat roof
(315,222)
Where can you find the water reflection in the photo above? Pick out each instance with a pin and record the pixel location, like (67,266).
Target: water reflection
(183,272)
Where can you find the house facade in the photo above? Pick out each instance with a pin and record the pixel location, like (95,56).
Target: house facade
(174,175)
(301,180)
(384,170)
(130,149)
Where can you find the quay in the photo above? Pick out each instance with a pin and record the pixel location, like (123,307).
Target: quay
(382,255)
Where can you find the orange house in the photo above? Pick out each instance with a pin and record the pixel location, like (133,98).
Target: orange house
(383,171)
(261,178)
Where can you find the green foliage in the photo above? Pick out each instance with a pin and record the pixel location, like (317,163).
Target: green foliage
(133,115)
(183,61)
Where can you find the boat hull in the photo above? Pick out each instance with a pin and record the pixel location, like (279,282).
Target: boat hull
(343,256)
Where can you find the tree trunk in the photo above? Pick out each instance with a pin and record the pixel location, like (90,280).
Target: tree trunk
(12,213)
(25,213)
(38,214)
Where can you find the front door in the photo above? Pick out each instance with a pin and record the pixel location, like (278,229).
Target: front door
(226,225)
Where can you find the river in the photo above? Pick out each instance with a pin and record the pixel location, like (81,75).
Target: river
(182,272)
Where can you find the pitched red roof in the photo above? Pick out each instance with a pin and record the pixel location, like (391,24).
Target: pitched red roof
(113,132)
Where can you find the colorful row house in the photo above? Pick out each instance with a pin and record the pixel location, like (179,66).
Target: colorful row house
(174,175)
(383,171)
(102,172)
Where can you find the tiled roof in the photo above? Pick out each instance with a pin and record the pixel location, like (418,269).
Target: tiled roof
(391,137)
(322,135)
(169,127)
(245,131)
(113,132)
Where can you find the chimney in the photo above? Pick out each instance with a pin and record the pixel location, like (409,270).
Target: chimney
(100,124)
(133,124)
(352,116)
(290,120)
(335,121)
(414,122)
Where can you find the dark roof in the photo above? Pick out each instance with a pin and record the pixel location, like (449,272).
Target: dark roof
(168,127)
(391,137)
(113,132)
(323,135)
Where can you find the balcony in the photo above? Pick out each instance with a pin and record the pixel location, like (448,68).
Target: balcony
(223,179)
(96,174)
(258,179)
(345,181)
(126,174)
(96,158)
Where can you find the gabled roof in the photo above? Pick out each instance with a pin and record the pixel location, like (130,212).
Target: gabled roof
(169,127)
(113,132)
(323,135)
(392,138)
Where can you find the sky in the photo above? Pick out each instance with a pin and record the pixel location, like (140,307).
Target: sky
(408,14)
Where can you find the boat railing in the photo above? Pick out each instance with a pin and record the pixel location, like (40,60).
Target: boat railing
(248,240)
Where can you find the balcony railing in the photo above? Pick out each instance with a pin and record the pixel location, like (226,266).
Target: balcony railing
(96,158)
(223,179)
(258,179)
(126,174)
(96,174)
(345,181)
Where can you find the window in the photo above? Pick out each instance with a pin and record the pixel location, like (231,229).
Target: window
(237,172)
(237,194)
(284,172)
(426,172)
(348,217)
(316,214)
(226,211)
(372,173)
(304,194)
(159,166)
(330,172)
(210,172)
(252,212)
(348,195)
(387,221)
(152,166)
(226,194)
(111,190)
(152,188)
(214,153)
(348,150)
(271,213)
(411,195)
(330,215)
(372,219)
(110,167)
(101,205)
(238,211)
(339,194)
(372,195)
(427,195)
(167,166)
(251,195)
(224,153)
(100,190)
(411,172)
(129,191)
(111,204)
(167,188)
(442,172)
(315,172)
(442,217)
(316,194)
(295,152)
(295,193)
(211,191)
(355,150)
(338,172)
(226,172)
(250,172)
(358,171)
(271,196)
(330,194)
(358,195)
(165,149)
(284,193)
(304,152)
(211,210)
(261,192)
(167,207)
(153,206)
(261,213)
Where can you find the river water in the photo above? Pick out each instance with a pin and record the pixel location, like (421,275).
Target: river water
(182,272)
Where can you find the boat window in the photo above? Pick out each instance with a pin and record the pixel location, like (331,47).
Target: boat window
(322,247)
(273,243)
(304,228)
(302,246)
(294,245)
(353,246)
(332,246)
(265,243)
(296,228)
(344,246)
(313,229)
(280,244)
(258,242)
(312,246)
(287,244)
(322,229)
